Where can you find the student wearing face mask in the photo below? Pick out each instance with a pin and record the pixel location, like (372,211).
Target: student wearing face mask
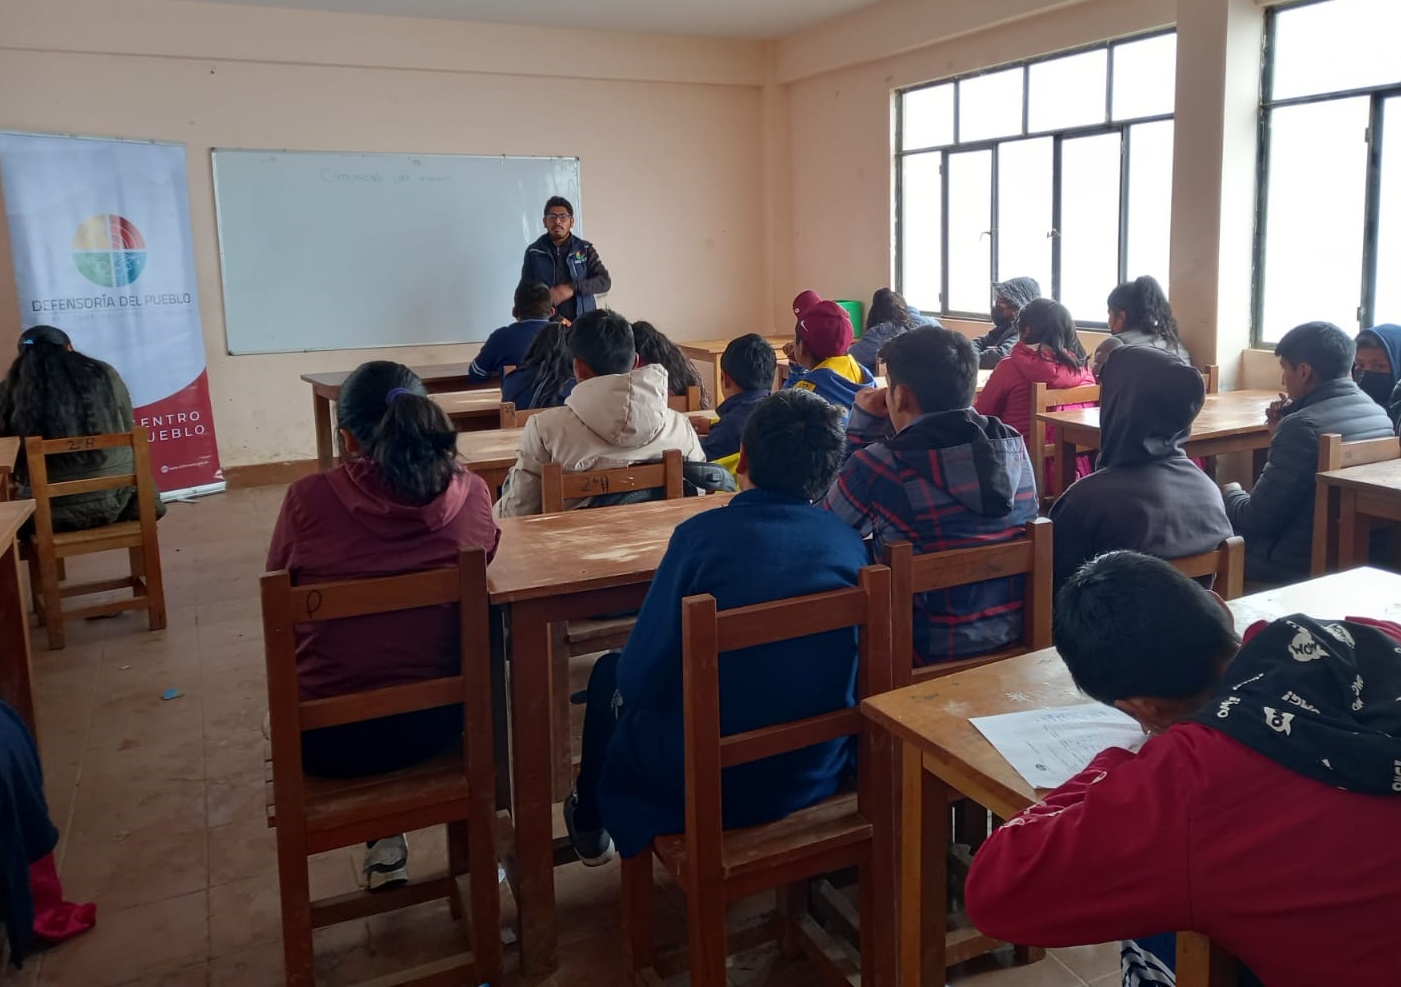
(1377,367)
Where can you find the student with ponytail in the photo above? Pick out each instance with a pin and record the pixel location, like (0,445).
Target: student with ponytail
(400,502)
(1139,315)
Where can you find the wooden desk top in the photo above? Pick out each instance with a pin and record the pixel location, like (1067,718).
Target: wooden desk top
(13,514)
(9,451)
(483,402)
(935,715)
(711,348)
(1383,477)
(434,373)
(1224,414)
(494,447)
(550,554)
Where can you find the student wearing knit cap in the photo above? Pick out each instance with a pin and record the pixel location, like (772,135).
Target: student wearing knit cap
(817,357)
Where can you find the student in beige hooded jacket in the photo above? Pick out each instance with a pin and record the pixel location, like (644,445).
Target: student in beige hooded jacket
(617,415)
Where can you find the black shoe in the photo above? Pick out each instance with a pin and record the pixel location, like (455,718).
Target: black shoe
(594,846)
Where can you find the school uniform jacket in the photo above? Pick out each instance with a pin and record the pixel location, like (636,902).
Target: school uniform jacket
(836,379)
(505,347)
(574,262)
(723,438)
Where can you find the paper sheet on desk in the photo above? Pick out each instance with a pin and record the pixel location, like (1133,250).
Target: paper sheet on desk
(1048,747)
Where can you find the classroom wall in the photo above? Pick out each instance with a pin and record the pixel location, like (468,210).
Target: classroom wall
(669,131)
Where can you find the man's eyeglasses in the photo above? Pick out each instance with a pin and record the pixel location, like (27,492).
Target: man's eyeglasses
(557,217)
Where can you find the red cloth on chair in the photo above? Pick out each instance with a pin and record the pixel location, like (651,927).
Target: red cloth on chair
(55,919)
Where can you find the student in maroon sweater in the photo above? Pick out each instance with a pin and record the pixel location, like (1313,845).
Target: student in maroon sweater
(400,502)
(1263,810)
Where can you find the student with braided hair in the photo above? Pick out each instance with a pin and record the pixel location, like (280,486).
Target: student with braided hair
(1139,315)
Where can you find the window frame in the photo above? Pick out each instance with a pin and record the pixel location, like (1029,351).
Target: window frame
(1371,228)
(1108,125)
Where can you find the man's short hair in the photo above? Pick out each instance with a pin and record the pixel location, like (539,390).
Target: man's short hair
(793,443)
(1322,345)
(603,341)
(533,300)
(938,365)
(559,202)
(751,362)
(1130,625)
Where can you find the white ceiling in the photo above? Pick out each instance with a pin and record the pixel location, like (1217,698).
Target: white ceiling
(715,18)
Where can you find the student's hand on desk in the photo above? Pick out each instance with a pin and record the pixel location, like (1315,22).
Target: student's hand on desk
(561,293)
(872,401)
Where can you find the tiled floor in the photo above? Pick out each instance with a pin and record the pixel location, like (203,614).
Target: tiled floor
(160,805)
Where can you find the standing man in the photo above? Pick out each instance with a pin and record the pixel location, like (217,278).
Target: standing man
(565,262)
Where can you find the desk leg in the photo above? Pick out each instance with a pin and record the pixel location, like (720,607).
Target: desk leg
(1067,466)
(1352,533)
(530,709)
(325,448)
(16,687)
(923,879)
(1201,963)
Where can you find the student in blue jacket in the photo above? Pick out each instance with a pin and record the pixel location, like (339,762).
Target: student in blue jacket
(747,369)
(817,357)
(768,543)
(568,264)
(507,346)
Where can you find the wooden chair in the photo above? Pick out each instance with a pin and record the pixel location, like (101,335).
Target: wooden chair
(1029,556)
(47,549)
(713,866)
(1202,963)
(1211,375)
(558,486)
(1226,562)
(512,417)
(690,401)
(1045,399)
(456,788)
(1335,454)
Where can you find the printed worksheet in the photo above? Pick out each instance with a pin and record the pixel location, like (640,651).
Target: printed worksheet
(1048,747)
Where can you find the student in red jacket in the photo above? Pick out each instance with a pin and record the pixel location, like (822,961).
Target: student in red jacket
(399,503)
(1049,352)
(1263,810)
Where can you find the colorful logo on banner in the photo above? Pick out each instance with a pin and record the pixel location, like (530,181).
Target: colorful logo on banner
(109,250)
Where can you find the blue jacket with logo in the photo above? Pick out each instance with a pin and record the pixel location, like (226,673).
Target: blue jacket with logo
(724,435)
(505,347)
(574,262)
(836,379)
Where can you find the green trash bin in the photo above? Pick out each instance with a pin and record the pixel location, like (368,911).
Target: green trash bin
(853,309)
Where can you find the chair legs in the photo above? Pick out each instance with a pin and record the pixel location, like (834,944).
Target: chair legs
(486,903)
(705,924)
(53,602)
(638,931)
(294,884)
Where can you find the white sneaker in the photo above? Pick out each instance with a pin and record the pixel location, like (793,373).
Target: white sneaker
(387,863)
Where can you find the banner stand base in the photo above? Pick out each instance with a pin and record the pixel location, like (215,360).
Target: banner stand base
(188,494)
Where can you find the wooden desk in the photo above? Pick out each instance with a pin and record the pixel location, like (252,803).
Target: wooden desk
(490,454)
(16,687)
(1365,494)
(944,752)
(9,455)
(1233,421)
(472,411)
(706,354)
(551,568)
(438,378)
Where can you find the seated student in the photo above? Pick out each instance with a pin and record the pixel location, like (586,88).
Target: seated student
(768,543)
(1276,518)
(545,376)
(817,358)
(747,370)
(888,317)
(1008,298)
(1262,811)
(616,416)
(1049,353)
(1377,367)
(1145,493)
(399,503)
(507,346)
(930,470)
(56,392)
(1139,315)
(681,373)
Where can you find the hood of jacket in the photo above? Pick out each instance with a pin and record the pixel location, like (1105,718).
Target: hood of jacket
(1319,698)
(1148,401)
(1018,291)
(1388,336)
(624,410)
(359,486)
(979,461)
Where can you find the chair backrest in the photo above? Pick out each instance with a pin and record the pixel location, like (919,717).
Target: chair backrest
(707,633)
(286,606)
(690,401)
(1335,454)
(37,450)
(557,486)
(1044,399)
(1211,375)
(1029,556)
(1226,562)
(513,417)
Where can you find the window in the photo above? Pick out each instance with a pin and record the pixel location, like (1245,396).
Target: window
(1058,169)
(1329,211)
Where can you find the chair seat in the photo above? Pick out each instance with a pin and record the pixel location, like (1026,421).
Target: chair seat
(120,534)
(334,802)
(812,832)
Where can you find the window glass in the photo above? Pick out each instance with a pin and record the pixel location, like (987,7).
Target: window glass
(970,222)
(1150,199)
(1388,297)
(1067,92)
(1314,225)
(928,117)
(990,105)
(1145,77)
(1024,209)
(1089,226)
(921,226)
(1336,46)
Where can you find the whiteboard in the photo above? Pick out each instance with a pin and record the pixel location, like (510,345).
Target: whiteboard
(329,251)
